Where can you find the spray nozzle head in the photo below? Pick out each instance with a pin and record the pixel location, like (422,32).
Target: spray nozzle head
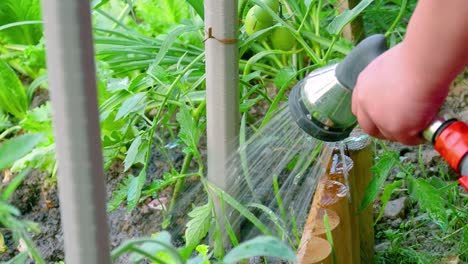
(321,103)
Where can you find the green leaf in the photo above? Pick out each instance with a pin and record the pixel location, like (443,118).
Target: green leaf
(117,84)
(132,104)
(134,190)
(4,121)
(218,241)
(132,153)
(39,120)
(19,259)
(387,193)
(161,15)
(171,37)
(17,147)
(381,170)
(166,252)
(266,246)
(273,217)
(198,226)
(328,234)
(13,11)
(189,132)
(152,248)
(241,209)
(337,24)
(429,199)
(119,195)
(284,76)
(249,103)
(98,3)
(198,6)
(42,158)
(463,245)
(13,98)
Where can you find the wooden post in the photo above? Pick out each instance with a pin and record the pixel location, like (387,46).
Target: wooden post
(305,248)
(331,196)
(360,151)
(353,32)
(318,252)
(334,198)
(353,233)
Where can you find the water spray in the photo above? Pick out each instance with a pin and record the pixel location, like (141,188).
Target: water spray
(321,106)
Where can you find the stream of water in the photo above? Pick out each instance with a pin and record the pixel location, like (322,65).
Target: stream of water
(274,174)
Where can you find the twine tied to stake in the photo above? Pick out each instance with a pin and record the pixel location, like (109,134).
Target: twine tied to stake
(209,35)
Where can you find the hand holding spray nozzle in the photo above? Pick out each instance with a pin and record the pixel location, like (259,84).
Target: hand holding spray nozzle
(321,106)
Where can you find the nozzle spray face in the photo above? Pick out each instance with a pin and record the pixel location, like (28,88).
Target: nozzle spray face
(321,103)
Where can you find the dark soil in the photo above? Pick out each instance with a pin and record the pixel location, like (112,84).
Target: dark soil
(37,199)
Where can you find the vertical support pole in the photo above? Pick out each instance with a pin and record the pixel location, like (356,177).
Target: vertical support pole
(222,73)
(70,61)
(360,151)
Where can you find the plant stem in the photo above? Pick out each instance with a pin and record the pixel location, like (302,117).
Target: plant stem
(397,19)
(180,182)
(188,158)
(8,131)
(327,54)
(305,17)
(275,59)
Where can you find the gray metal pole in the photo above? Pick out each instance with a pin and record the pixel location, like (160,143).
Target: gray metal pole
(70,61)
(222,74)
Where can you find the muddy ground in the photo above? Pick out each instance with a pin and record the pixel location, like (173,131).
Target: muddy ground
(37,200)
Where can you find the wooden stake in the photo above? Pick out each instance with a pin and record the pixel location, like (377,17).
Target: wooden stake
(352,203)
(318,252)
(360,152)
(303,251)
(353,32)
(334,198)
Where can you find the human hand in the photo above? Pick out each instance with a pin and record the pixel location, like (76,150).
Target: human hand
(394,99)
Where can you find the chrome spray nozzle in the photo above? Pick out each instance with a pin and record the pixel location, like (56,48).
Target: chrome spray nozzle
(321,103)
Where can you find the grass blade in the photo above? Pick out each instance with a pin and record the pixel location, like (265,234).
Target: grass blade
(241,209)
(17,147)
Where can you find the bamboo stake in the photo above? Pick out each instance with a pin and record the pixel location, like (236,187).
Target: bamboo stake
(337,174)
(318,252)
(354,31)
(334,198)
(360,151)
(303,251)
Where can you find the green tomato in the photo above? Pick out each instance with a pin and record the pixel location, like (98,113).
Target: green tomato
(282,39)
(262,15)
(255,22)
(273,4)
